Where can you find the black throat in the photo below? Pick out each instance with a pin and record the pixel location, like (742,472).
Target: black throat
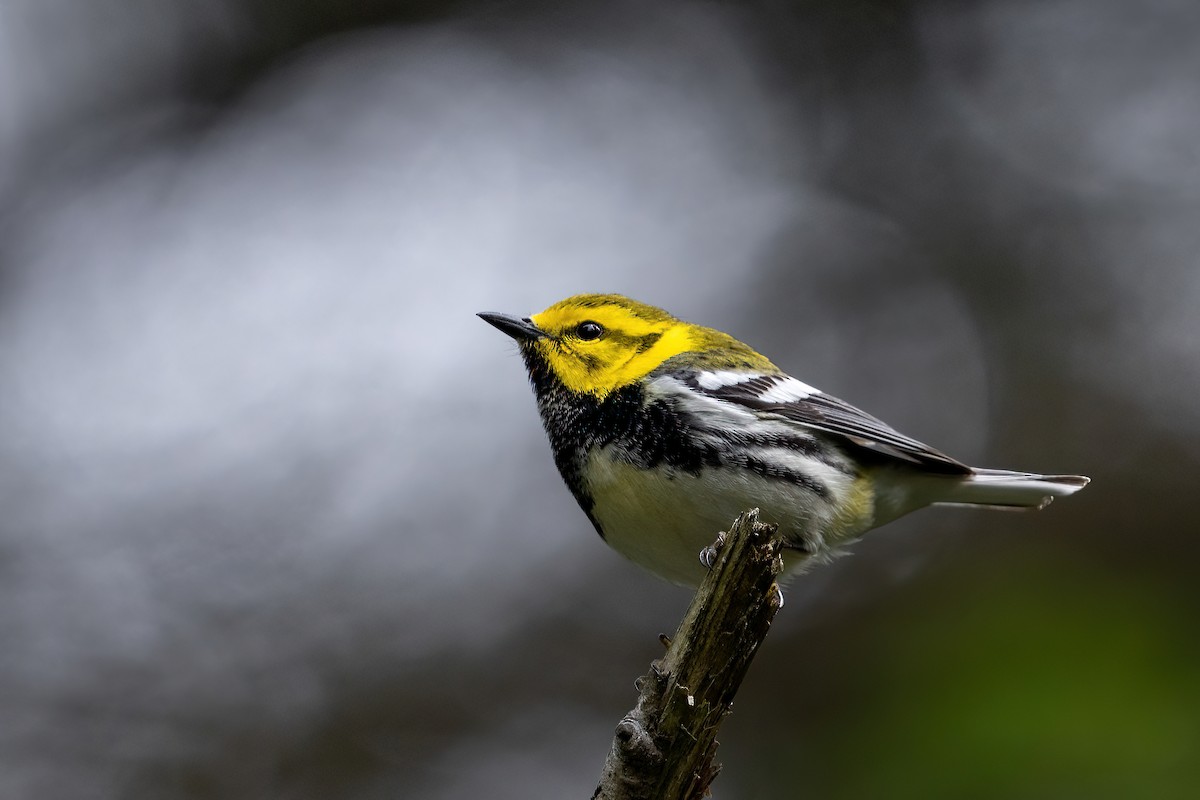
(646,434)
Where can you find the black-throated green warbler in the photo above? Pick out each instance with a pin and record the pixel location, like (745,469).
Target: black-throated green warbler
(665,431)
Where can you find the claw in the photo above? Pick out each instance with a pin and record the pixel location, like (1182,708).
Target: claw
(708,556)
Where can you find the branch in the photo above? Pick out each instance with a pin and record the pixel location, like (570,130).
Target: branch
(665,747)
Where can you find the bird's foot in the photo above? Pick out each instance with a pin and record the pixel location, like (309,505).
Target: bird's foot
(708,556)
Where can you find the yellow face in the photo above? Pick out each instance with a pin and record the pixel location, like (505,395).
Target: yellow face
(598,343)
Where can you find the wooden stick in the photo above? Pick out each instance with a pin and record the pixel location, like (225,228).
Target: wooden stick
(664,748)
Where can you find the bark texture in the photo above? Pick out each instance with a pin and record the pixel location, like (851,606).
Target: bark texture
(665,748)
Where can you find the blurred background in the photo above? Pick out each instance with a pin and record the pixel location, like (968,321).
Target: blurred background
(278,517)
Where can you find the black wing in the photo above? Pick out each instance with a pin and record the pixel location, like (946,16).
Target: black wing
(793,400)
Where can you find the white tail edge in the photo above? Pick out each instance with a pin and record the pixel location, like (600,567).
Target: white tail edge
(1001,488)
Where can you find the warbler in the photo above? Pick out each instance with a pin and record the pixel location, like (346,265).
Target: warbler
(665,431)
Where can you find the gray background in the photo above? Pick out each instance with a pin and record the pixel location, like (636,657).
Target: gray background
(277,518)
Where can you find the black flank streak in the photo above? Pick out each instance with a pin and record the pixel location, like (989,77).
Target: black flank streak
(645,434)
(768,470)
(804,445)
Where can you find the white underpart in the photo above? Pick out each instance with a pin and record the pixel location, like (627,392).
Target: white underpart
(662,518)
(787,390)
(656,519)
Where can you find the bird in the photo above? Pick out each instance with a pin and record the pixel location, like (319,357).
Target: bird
(664,431)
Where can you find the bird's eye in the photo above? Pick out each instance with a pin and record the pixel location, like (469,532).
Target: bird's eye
(588,330)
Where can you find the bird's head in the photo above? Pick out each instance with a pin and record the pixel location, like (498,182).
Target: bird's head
(596,343)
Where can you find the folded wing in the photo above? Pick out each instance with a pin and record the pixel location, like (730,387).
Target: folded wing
(798,402)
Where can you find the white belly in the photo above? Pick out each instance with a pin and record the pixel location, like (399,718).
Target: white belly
(662,519)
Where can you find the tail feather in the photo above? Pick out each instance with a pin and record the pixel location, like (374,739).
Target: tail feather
(1004,489)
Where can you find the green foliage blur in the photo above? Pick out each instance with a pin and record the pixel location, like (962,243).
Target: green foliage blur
(1016,675)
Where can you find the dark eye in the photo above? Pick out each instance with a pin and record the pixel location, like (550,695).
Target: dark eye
(588,330)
